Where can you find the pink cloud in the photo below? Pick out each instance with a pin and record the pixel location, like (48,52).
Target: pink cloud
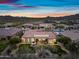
(21,6)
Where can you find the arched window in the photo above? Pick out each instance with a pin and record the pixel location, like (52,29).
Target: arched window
(37,41)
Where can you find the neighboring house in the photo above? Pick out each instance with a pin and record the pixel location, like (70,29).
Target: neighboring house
(28,25)
(46,25)
(8,24)
(7,33)
(73,34)
(25,29)
(76,26)
(39,25)
(38,36)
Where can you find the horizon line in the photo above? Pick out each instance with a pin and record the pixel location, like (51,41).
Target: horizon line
(39,16)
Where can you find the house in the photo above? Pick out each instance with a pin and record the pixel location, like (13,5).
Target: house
(8,24)
(75,26)
(43,26)
(38,25)
(7,33)
(28,25)
(73,34)
(38,36)
(46,25)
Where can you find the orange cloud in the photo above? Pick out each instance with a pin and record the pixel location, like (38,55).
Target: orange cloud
(39,15)
(50,14)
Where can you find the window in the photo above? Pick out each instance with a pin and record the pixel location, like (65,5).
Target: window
(46,41)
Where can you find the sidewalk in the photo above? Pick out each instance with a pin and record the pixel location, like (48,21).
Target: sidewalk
(63,48)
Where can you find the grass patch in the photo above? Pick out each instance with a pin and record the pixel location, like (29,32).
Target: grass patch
(3,45)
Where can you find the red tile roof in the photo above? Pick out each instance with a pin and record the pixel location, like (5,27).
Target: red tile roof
(38,33)
(8,31)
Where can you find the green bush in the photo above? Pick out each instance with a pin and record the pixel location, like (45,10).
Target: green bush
(63,39)
(2,46)
(55,49)
(15,40)
(26,48)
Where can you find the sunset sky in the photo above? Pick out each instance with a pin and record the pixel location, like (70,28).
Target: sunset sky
(39,8)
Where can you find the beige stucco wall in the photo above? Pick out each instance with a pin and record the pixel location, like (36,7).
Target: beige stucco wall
(52,41)
(31,40)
